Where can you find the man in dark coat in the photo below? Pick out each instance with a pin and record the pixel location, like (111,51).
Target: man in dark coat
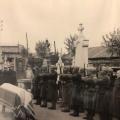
(52,89)
(37,87)
(35,84)
(102,102)
(91,98)
(34,88)
(116,98)
(66,80)
(43,89)
(77,102)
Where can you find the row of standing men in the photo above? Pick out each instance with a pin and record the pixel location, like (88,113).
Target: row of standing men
(90,94)
(47,88)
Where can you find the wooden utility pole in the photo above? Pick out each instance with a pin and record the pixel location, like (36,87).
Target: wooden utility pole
(27,44)
(54,47)
(18,47)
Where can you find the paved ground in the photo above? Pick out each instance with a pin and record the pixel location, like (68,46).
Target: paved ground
(46,114)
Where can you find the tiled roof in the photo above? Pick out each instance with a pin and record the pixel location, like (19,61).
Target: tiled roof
(10,49)
(95,52)
(98,52)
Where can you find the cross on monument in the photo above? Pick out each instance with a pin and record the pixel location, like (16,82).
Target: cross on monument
(81,28)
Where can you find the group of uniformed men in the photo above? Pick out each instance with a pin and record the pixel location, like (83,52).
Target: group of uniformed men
(96,96)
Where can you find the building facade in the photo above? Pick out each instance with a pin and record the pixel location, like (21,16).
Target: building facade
(10,55)
(99,56)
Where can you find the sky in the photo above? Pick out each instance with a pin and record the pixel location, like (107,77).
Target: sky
(55,20)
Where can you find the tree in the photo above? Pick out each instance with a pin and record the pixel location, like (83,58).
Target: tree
(24,52)
(69,44)
(42,48)
(112,42)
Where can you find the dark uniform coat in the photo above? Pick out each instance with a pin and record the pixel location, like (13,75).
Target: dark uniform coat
(43,89)
(101,94)
(90,101)
(66,80)
(52,87)
(116,99)
(35,87)
(76,92)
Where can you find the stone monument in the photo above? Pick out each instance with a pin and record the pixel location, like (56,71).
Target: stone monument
(81,50)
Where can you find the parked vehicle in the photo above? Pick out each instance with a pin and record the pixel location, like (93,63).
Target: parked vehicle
(17,101)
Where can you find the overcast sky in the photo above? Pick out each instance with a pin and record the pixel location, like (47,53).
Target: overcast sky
(56,20)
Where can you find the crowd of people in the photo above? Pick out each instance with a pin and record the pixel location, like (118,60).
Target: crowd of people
(96,94)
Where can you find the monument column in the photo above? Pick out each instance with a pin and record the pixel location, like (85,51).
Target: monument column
(85,52)
(81,54)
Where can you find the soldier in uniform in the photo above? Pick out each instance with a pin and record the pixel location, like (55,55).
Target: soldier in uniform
(43,89)
(34,88)
(34,83)
(37,89)
(77,102)
(107,99)
(103,84)
(91,98)
(52,89)
(66,80)
(116,98)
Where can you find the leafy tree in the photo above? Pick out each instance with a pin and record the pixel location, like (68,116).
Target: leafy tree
(112,42)
(42,48)
(69,44)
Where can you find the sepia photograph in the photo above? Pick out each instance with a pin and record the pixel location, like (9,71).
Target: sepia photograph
(59,60)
